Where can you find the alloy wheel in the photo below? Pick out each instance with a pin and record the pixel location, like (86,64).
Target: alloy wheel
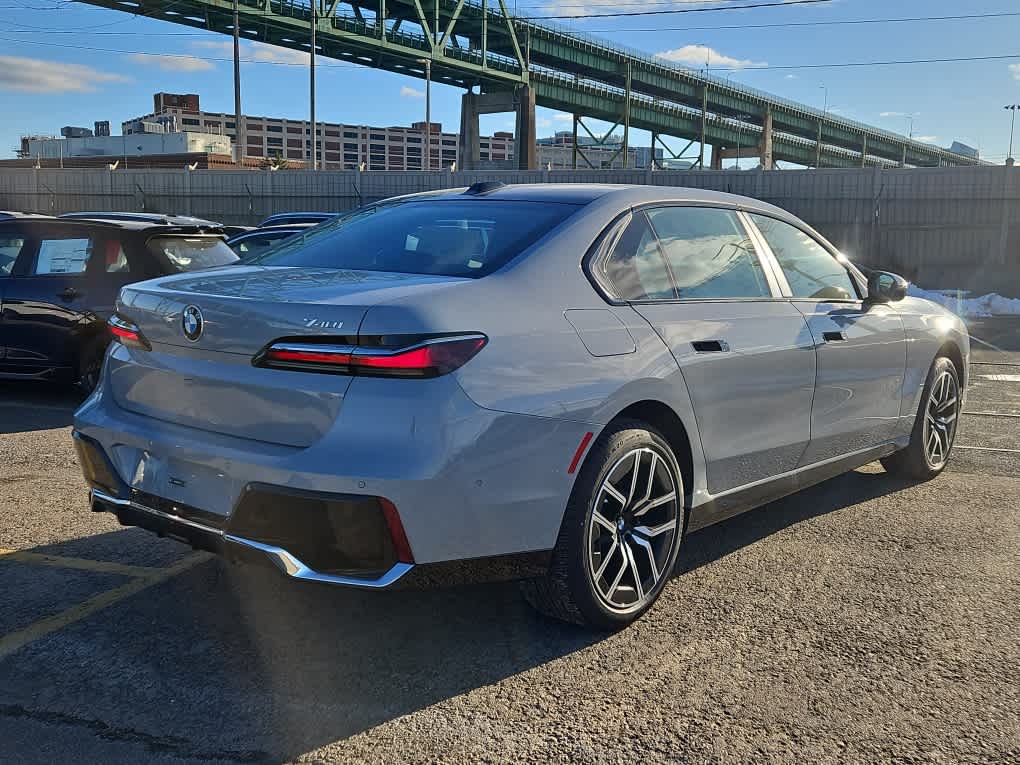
(635,518)
(940,416)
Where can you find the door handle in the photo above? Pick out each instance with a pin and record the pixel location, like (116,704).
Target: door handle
(710,346)
(69,294)
(834,337)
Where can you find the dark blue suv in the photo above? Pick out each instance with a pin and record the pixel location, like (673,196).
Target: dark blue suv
(59,279)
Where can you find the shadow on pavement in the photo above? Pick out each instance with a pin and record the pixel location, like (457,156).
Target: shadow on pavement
(239,664)
(37,405)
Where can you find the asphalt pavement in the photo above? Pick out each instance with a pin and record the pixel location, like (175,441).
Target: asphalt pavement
(864,620)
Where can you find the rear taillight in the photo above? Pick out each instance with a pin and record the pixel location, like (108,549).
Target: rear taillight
(429,358)
(127,332)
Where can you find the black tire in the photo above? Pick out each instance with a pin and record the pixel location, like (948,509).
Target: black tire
(568,591)
(916,462)
(90,363)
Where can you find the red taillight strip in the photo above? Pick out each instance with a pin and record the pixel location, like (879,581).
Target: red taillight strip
(127,332)
(433,357)
(585,440)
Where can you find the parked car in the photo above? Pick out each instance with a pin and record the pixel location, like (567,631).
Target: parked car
(555,383)
(251,244)
(297,219)
(59,278)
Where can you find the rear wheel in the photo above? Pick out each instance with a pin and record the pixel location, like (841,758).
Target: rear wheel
(90,363)
(620,535)
(934,428)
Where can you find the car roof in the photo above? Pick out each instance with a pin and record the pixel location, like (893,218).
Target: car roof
(115,225)
(158,218)
(258,233)
(584,193)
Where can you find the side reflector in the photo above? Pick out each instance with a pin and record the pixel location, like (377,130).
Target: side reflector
(400,544)
(585,440)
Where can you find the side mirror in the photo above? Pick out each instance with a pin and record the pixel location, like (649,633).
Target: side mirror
(884,287)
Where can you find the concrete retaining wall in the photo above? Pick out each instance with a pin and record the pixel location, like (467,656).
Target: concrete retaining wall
(942,227)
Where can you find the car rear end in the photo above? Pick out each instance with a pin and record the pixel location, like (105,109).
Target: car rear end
(256,411)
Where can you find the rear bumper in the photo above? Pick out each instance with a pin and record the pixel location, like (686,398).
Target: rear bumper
(218,540)
(469,484)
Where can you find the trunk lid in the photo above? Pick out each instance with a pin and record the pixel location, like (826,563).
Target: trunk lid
(209,382)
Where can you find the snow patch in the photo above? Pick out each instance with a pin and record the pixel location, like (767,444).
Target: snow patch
(976,307)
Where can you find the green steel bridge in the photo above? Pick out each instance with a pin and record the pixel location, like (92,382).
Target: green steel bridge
(516,63)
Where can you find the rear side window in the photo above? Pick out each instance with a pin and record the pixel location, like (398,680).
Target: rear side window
(449,238)
(709,253)
(62,256)
(812,271)
(190,253)
(635,268)
(10,247)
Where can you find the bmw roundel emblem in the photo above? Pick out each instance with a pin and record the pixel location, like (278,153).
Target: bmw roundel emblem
(192,323)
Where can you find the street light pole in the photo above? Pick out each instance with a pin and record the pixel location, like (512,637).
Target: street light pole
(1012,125)
(427,160)
(311,88)
(825,106)
(239,142)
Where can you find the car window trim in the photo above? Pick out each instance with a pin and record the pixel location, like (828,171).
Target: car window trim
(821,242)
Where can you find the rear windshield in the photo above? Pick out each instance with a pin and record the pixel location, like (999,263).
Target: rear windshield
(448,238)
(190,253)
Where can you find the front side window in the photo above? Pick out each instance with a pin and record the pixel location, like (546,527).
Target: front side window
(63,256)
(709,253)
(448,238)
(635,268)
(190,253)
(811,270)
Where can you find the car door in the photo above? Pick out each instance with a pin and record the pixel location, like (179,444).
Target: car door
(860,348)
(46,300)
(745,354)
(12,242)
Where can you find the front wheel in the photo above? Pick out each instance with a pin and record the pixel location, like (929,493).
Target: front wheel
(90,364)
(934,432)
(620,534)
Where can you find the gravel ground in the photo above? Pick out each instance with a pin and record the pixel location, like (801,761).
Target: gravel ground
(864,620)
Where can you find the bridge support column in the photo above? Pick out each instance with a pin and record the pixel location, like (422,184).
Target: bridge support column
(767,161)
(704,114)
(818,147)
(864,152)
(716,156)
(524,143)
(468,150)
(903,158)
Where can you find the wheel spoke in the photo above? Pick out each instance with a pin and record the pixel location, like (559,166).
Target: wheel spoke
(651,556)
(619,575)
(639,589)
(634,477)
(611,490)
(605,563)
(946,404)
(651,479)
(654,531)
(655,503)
(601,520)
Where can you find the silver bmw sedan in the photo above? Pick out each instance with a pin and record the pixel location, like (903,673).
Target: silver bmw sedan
(554,383)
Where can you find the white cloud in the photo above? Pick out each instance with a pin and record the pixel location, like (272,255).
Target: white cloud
(901,115)
(170,62)
(33,75)
(926,138)
(255,51)
(1014,69)
(701,55)
(411,92)
(543,122)
(563,117)
(790,77)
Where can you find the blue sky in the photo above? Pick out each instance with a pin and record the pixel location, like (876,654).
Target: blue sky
(64,63)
